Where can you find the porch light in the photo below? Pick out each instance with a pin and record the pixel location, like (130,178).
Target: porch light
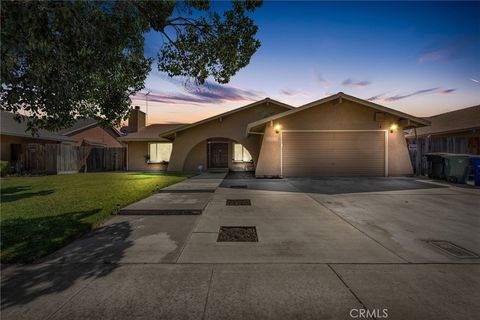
(393,127)
(278,128)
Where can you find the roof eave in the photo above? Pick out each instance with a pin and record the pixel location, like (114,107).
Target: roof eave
(168,134)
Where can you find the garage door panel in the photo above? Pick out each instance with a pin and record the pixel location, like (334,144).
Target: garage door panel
(333,153)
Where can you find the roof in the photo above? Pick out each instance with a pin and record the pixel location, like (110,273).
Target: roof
(419,121)
(80,124)
(83,124)
(453,121)
(188,126)
(151,132)
(10,127)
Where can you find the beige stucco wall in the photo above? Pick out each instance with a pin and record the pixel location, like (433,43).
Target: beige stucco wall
(197,156)
(232,127)
(334,116)
(136,158)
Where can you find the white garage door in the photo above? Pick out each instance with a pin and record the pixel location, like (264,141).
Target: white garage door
(352,153)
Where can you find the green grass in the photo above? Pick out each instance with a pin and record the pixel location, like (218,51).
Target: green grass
(41,214)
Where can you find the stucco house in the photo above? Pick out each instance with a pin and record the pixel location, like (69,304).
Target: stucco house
(14,134)
(87,132)
(339,135)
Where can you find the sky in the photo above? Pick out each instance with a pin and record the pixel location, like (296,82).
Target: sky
(421,58)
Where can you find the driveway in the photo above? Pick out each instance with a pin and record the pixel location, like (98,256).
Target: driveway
(325,247)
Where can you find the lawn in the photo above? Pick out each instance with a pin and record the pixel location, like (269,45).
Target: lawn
(41,214)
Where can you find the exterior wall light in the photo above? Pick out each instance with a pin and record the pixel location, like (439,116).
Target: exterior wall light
(278,128)
(393,127)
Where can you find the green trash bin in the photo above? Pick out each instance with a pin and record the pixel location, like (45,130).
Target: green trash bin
(436,165)
(457,167)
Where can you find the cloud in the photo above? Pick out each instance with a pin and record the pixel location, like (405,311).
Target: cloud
(447,91)
(292,92)
(320,79)
(443,53)
(383,98)
(208,93)
(475,80)
(356,84)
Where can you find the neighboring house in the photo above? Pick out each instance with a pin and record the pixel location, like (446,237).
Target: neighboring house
(451,132)
(146,149)
(13,134)
(339,135)
(87,132)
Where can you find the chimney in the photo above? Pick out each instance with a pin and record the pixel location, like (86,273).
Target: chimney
(136,120)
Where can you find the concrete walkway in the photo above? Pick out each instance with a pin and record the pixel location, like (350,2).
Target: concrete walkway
(187,197)
(323,253)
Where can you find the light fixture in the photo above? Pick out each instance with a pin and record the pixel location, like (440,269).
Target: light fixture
(393,127)
(278,128)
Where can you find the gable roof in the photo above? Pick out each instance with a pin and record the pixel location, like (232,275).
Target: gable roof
(188,126)
(453,121)
(151,132)
(79,125)
(84,124)
(339,95)
(10,127)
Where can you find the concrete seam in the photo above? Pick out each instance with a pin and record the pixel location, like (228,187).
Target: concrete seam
(348,287)
(193,231)
(365,234)
(208,293)
(69,299)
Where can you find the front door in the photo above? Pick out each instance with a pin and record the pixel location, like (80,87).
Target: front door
(218,155)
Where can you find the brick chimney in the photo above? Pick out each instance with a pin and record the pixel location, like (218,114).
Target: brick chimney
(136,120)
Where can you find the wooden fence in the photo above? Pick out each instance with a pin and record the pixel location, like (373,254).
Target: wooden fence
(62,158)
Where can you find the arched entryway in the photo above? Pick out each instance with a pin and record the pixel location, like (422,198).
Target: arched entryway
(219,154)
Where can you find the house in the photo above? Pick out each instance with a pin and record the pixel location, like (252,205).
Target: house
(87,132)
(13,135)
(146,149)
(339,135)
(451,132)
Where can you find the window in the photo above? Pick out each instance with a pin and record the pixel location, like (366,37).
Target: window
(240,153)
(159,152)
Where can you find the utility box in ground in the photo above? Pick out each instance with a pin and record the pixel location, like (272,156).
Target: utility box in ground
(436,165)
(457,167)
(475,163)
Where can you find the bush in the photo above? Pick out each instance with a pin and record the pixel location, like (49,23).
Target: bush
(4,168)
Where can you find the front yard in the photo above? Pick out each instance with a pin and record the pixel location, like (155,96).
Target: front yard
(41,214)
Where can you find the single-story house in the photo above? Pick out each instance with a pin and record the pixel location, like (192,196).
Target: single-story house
(146,149)
(13,134)
(339,135)
(87,132)
(451,132)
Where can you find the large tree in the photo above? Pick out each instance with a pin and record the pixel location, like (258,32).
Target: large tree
(67,59)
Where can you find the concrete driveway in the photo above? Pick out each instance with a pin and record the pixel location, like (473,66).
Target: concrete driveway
(325,247)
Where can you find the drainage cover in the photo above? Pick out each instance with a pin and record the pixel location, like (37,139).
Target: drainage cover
(238,202)
(453,249)
(237,234)
(239,186)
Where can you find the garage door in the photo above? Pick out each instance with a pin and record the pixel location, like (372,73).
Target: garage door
(354,153)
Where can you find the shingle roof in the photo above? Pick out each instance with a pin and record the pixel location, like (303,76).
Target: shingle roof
(453,121)
(11,127)
(80,124)
(151,132)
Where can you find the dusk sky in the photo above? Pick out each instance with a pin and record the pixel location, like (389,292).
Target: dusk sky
(417,57)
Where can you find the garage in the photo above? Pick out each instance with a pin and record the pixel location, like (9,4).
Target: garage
(333,153)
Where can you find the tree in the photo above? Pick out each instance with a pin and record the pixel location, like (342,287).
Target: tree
(67,59)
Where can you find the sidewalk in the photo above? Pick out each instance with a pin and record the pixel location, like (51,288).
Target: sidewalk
(187,197)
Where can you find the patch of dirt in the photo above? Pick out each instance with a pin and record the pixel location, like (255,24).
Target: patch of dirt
(237,234)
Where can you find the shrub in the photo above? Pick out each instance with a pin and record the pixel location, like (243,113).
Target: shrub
(4,168)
